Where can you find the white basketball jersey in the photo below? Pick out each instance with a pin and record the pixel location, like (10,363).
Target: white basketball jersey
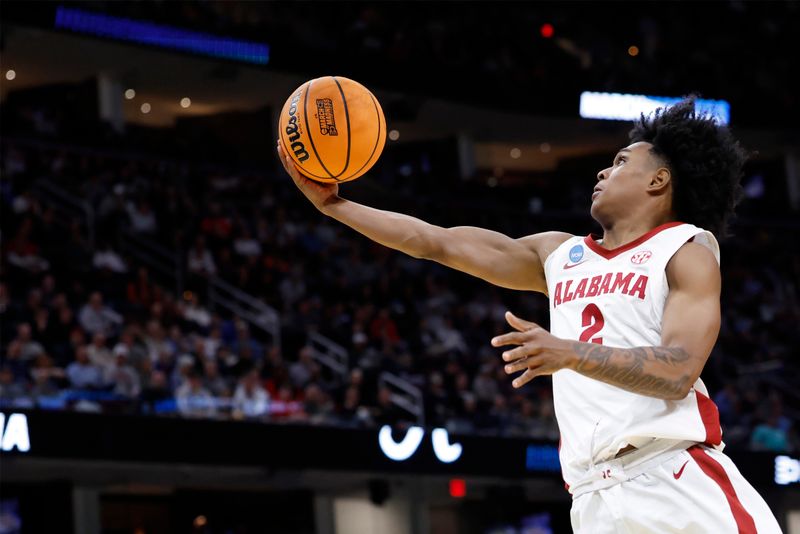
(616,297)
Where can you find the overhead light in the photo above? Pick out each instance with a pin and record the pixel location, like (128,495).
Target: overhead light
(633,51)
(516,153)
(11,74)
(130,94)
(145,108)
(186,102)
(545,147)
(394,135)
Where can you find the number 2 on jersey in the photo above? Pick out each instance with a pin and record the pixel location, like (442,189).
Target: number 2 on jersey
(593,321)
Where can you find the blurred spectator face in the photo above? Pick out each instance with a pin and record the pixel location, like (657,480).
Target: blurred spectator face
(211,369)
(357,376)
(81,355)
(24,332)
(305,356)
(6,376)
(158,380)
(126,338)
(59,301)
(313,394)
(96,301)
(65,315)
(154,329)
(49,284)
(42,316)
(99,341)
(384,396)
(250,380)
(462,382)
(351,397)
(195,381)
(77,338)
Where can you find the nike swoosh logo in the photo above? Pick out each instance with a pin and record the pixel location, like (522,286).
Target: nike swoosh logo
(568,266)
(680,471)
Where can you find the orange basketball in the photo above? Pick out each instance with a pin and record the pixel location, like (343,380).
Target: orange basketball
(333,128)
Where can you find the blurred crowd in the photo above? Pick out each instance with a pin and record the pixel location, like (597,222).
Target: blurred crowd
(506,55)
(87,326)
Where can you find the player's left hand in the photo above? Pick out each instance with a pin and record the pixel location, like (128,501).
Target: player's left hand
(538,352)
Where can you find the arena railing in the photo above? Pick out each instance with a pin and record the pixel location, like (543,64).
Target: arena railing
(254,311)
(67,207)
(405,395)
(154,256)
(330,354)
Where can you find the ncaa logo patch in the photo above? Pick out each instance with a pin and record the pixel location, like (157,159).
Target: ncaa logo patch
(641,257)
(576,253)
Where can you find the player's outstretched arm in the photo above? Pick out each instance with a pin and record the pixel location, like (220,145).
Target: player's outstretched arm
(492,256)
(689,329)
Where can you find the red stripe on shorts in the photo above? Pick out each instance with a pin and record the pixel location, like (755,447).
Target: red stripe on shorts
(714,470)
(710,417)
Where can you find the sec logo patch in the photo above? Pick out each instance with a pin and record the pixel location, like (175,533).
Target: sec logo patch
(641,257)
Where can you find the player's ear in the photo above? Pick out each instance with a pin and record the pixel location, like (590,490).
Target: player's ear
(660,180)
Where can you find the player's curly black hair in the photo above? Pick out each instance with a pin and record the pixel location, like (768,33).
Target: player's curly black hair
(704,158)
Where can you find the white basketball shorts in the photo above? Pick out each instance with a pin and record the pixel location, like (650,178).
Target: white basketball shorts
(695,491)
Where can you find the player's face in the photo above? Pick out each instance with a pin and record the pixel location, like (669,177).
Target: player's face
(623,184)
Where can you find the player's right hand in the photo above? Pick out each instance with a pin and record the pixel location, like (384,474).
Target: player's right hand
(318,193)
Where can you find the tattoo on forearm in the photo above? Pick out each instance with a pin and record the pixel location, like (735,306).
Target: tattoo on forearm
(625,367)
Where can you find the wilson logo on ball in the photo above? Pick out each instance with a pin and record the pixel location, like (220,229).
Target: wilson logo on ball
(293,130)
(326,117)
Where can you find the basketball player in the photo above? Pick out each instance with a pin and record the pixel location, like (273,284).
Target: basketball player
(634,315)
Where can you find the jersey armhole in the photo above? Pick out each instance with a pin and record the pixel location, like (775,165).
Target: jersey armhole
(707,239)
(549,259)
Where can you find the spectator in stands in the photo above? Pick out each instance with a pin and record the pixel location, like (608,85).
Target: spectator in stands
(301,371)
(23,252)
(317,405)
(250,400)
(352,412)
(195,313)
(101,357)
(140,290)
(27,348)
(769,436)
(245,245)
(244,341)
(97,318)
(10,389)
(286,405)
(142,217)
(46,377)
(213,381)
(485,386)
(193,399)
(155,389)
(106,257)
(124,377)
(200,261)
(82,373)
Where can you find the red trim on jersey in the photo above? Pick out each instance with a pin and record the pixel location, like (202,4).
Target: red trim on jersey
(609,254)
(714,470)
(709,414)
